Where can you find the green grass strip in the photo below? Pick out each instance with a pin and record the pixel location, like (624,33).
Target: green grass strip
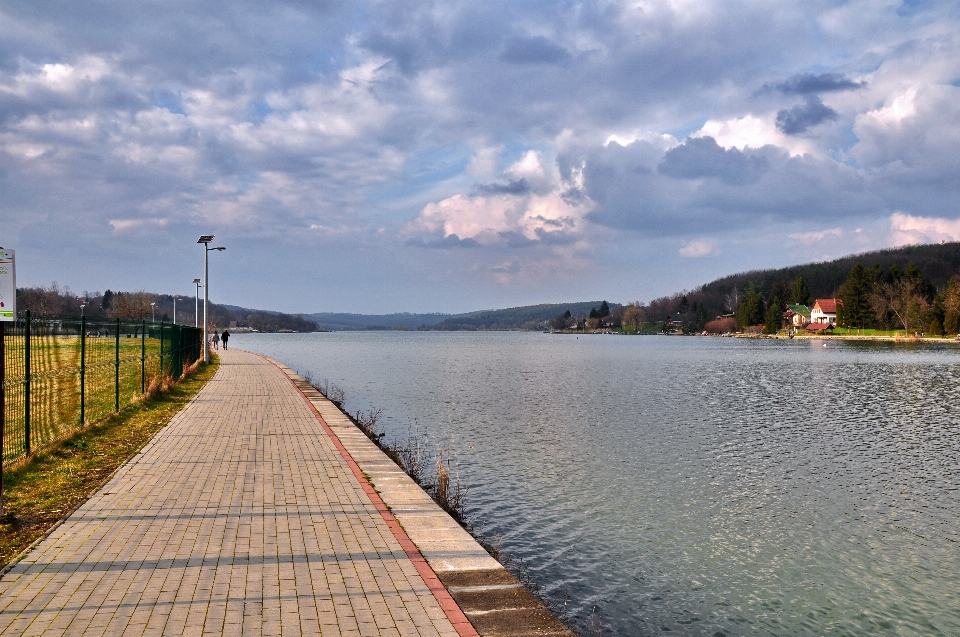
(61,477)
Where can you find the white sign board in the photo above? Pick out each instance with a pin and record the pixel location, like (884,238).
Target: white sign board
(8,286)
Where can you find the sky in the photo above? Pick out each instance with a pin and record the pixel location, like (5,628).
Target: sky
(451,156)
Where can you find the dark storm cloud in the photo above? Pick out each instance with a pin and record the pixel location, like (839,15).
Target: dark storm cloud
(703,157)
(807,83)
(687,192)
(804,116)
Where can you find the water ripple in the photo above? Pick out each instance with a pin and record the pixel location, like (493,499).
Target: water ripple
(690,486)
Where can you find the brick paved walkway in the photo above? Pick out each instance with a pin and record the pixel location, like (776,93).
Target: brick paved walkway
(240,517)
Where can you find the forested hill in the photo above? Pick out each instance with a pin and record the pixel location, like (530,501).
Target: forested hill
(936,262)
(526,317)
(347,321)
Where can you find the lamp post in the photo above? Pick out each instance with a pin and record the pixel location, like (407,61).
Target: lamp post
(153,314)
(175,296)
(205,239)
(82,305)
(196,305)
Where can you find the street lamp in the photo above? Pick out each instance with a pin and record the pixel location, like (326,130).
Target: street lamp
(175,309)
(82,305)
(153,314)
(196,305)
(205,239)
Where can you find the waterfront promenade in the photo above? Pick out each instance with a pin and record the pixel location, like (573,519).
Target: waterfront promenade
(244,516)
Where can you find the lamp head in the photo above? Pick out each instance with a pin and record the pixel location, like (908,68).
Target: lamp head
(221,248)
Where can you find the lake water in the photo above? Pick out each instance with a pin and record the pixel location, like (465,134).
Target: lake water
(688,486)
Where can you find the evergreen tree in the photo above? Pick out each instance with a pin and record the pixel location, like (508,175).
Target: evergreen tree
(855,294)
(701,312)
(751,309)
(593,313)
(604,310)
(800,294)
(776,300)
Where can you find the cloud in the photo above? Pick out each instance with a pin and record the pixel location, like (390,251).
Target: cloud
(533,50)
(804,116)
(546,138)
(908,229)
(702,157)
(807,83)
(809,238)
(699,248)
(449,241)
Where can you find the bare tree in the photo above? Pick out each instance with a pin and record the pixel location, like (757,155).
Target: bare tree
(901,298)
(131,306)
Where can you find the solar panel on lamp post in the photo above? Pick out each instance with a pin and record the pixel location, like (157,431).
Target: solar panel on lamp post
(205,239)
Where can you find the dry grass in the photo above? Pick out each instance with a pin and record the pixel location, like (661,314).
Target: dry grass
(55,481)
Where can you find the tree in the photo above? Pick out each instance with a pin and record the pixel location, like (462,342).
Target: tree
(561,321)
(594,314)
(131,306)
(778,297)
(107,301)
(951,306)
(701,313)
(632,317)
(855,294)
(899,298)
(800,293)
(751,310)
(604,310)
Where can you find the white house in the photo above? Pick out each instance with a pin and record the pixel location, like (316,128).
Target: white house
(824,311)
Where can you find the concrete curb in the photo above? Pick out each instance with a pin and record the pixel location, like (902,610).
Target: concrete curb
(494,601)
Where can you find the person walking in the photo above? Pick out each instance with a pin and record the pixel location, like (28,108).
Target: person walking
(224,338)
(216,340)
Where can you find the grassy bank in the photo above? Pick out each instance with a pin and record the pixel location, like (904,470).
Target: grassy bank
(55,481)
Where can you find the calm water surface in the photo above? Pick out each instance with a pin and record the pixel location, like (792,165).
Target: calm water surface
(689,486)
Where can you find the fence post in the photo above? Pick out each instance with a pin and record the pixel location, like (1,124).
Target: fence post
(3,403)
(26,383)
(83,369)
(116,370)
(143,357)
(161,347)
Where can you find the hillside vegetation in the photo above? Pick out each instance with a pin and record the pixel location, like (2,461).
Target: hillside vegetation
(934,266)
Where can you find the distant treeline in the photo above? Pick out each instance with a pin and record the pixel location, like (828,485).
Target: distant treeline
(530,317)
(140,305)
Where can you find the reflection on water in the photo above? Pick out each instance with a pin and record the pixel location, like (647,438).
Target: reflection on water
(696,486)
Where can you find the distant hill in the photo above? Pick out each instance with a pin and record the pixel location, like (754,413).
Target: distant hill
(526,317)
(514,318)
(344,321)
(937,263)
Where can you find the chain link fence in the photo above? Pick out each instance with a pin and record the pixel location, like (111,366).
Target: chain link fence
(62,373)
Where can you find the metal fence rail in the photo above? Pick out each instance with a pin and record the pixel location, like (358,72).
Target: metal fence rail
(62,373)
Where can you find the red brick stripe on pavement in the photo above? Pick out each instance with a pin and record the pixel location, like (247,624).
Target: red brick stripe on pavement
(449,606)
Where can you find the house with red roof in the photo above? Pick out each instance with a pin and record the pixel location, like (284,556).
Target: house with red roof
(824,312)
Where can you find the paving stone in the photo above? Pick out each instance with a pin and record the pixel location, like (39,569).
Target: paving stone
(240,517)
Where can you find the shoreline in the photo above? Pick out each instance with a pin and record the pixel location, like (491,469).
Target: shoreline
(494,601)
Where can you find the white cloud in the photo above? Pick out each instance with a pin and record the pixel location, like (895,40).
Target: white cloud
(751,131)
(699,248)
(907,229)
(534,205)
(808,238)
